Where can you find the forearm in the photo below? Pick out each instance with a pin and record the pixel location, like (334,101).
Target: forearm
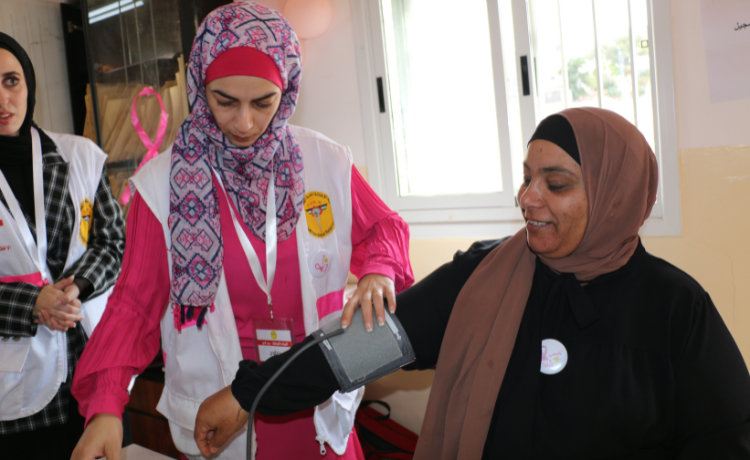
(307,382)
(127,338)
(95,272)
(380,238)
(310,380)
(100,264)
(109,395)
(85,288)
(385,251)
(17,301)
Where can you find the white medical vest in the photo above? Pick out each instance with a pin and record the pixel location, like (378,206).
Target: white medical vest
(201,362)
(33,368)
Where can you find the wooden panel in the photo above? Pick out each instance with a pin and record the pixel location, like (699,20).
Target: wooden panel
(152,433)
(149,428)
(145,396)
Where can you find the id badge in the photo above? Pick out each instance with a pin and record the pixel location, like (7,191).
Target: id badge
(272,336)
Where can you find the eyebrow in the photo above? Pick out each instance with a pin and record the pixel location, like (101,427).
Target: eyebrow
(223,94)
(551,169)
(12,72)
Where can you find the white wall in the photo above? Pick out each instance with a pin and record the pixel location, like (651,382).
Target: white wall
(37,26)
(329,96)
(699,123)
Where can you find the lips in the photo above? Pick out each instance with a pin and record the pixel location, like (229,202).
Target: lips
(6,117)
(533,225)
(242,140)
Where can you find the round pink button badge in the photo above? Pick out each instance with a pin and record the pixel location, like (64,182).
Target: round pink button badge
(320,264)
(554,356)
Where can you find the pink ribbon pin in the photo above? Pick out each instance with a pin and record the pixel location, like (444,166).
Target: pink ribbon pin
(152,148)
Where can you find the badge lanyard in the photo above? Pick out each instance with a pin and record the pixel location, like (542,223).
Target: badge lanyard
(274,336)
(271,241)
(37,250)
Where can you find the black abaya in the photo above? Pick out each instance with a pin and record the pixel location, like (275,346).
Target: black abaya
(653,372)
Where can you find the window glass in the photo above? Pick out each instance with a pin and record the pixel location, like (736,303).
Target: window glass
(442,97)
(593,53)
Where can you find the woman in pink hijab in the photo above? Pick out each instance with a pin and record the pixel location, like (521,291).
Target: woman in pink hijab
(240,241)
(635,362)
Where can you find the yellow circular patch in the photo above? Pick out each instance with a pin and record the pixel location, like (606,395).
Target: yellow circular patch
(274,335)
(556,359)
(319,214)
(87,213)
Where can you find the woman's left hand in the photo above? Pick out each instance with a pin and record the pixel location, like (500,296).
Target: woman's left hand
(370,292)
(45,319)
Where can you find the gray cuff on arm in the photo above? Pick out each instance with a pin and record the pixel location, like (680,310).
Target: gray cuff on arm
(358,357)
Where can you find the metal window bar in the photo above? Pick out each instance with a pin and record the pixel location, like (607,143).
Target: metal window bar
(564,69)
(632,64)
(157,81)
(138,39)
(125,53)
(596,53)
(654,84)
(92,74)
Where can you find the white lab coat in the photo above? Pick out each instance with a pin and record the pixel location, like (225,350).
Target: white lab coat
(33,368)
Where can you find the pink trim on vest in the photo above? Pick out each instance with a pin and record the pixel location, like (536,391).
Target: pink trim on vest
(32,278)
(330,303)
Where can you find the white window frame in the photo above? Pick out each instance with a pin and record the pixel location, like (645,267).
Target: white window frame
(492,215)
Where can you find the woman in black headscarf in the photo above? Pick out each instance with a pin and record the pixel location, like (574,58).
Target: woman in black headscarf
(61,244)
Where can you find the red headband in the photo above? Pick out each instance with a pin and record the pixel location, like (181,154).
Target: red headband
(244,60)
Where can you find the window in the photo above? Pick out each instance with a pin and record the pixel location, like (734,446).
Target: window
(452,91)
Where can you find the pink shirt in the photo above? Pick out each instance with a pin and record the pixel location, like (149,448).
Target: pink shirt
(127,338)
(248,300)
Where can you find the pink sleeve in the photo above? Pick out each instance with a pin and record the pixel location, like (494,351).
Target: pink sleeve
(380,238)
(127,338)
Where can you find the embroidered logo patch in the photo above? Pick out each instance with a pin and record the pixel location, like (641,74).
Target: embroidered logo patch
(319,214)
(87,212)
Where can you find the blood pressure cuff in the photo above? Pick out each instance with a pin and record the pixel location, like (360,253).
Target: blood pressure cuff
(358,357)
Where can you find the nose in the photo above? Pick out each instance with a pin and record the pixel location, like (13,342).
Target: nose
(531,197)
(4,97)
(244,121)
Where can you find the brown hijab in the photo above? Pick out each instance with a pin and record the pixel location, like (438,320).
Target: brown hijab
(621,176)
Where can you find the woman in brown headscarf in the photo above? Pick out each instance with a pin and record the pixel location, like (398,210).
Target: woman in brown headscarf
(636,362)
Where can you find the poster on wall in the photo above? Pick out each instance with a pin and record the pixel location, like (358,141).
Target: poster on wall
(726,38)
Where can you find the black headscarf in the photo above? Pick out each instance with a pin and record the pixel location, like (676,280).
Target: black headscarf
(556,129)
(21,144)
(15,151)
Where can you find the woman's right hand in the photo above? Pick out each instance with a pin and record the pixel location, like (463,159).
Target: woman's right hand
(60,300)
(372,292)
(102,438)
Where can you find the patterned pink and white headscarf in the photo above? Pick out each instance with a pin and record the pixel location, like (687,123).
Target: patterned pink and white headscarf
(197,250)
